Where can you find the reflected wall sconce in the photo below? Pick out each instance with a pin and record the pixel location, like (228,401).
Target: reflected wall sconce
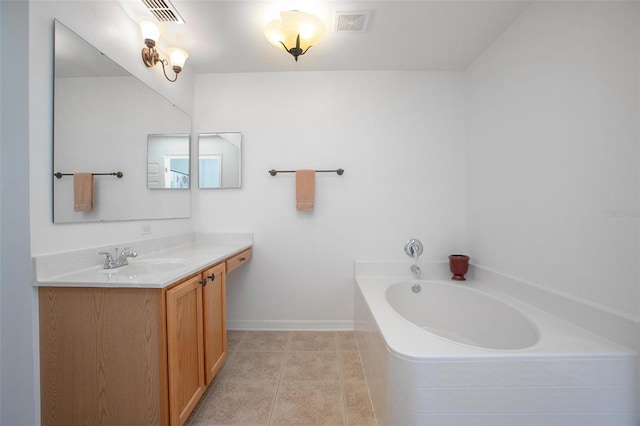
(295,32)
(151,31)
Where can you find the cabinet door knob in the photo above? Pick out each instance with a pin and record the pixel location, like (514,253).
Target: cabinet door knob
(204,283)
(212,277)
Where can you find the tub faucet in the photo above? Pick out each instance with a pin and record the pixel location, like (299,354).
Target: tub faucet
(416,270)
(413,248)
(112,262)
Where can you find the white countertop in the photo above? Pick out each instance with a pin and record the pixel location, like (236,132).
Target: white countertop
(152,268)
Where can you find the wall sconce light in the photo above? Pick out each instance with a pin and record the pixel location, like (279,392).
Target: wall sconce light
(296,29)
(151,31)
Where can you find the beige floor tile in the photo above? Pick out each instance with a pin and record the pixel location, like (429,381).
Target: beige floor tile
(314,341)
(253,366)
(311,365)
(347,341)
(265,341)
(237,403)
(293,378)
(351,367)
(359,409)
(308,403)
(233,339)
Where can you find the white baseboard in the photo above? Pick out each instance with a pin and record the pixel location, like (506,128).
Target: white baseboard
(289,325)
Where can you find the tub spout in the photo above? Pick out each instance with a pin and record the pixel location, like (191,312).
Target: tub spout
(416,270)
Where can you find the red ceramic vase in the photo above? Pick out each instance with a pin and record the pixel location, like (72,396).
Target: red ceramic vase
(459,265)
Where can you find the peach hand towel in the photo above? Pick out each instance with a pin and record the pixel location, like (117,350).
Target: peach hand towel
(82,192)
(305,189)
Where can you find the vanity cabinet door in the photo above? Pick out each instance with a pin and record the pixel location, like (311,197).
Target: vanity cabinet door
(215,323)
(185,352)
(101,361)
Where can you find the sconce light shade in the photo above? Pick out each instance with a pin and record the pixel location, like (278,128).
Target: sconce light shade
(177,57)
(151,31)
(295,32)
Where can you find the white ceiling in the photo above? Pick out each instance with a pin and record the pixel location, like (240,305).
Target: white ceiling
(227,36)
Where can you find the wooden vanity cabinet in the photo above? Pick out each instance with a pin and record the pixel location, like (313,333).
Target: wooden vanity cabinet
(131,356)
(102,360)
(215,320)
(185,348)
(238,260)
(196,338)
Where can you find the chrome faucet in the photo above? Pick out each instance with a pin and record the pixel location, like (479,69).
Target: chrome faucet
(413,248)
(112,262)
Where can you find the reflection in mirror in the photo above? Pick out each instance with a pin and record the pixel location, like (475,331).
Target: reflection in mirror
(219,160)
(102,118)
(168,161)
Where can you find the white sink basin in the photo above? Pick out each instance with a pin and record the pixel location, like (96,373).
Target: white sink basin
(146,267)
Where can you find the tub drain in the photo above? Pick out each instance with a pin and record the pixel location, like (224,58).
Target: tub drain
(416,288)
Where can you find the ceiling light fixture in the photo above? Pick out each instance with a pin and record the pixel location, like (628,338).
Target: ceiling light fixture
(299,30)
(151,31)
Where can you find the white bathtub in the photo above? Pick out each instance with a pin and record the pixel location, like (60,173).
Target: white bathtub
(453,355)
(477,319)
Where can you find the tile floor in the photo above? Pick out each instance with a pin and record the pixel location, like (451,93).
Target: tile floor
(288,378)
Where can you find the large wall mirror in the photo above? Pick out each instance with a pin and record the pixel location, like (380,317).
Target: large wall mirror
(104,121)
(219,160)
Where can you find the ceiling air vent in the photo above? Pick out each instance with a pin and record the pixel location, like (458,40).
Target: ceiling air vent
(163,10)
(352,22)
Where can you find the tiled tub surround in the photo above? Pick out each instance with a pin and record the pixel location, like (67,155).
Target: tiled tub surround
(84,268)
(288,378)
(571,376)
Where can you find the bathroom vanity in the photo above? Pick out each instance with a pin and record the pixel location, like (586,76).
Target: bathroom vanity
(135,348)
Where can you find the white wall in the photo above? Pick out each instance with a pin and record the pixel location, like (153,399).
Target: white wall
(106,25)
(553,152)
(400,139)
(18,365)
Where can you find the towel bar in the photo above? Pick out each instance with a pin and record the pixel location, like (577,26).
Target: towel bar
(274,172)
(117,174)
